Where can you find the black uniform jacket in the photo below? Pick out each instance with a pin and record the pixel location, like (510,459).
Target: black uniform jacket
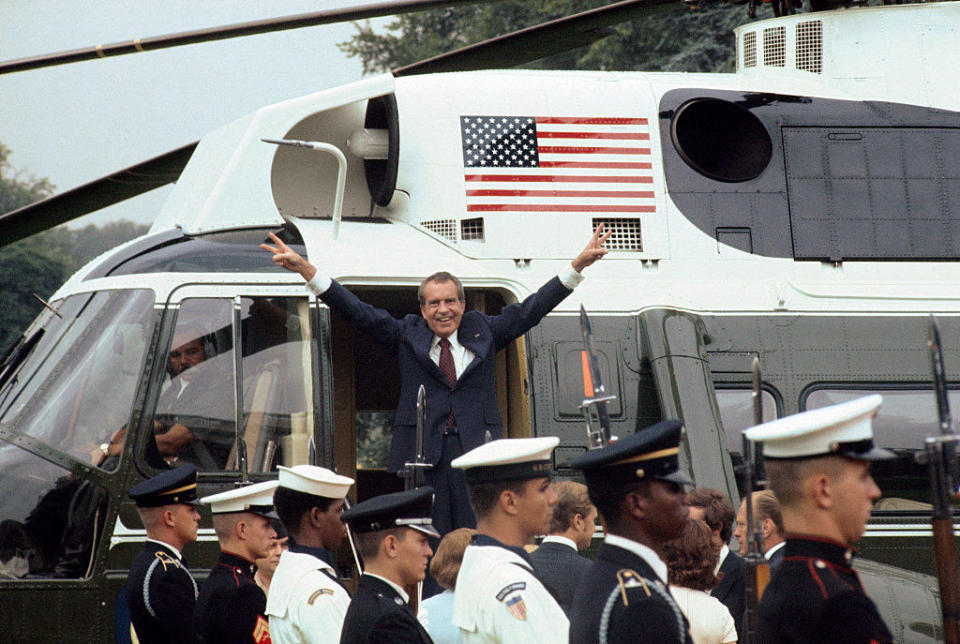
(161,594)
(731,589)
(379,615)
(560,568)
(231,604)
(641,608)
(815,596)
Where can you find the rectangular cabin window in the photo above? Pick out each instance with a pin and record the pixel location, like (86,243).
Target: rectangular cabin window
(906,418)
(736,414)
(196,412)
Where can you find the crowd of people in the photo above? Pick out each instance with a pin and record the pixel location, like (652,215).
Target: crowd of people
(664,571)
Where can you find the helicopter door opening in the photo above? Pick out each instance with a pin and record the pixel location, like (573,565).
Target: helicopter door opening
(199,400)
(366,385)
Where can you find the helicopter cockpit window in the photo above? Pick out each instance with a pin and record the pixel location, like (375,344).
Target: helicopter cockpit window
(75,390)
(195,418)
(50,519)
(906,418)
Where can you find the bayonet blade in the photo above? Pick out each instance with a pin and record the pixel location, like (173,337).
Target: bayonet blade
(595,395)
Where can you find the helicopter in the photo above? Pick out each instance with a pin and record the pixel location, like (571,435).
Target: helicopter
(802,210)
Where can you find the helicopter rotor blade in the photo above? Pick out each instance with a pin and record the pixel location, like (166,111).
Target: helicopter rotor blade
(237,30)
(538,41)
(90,197)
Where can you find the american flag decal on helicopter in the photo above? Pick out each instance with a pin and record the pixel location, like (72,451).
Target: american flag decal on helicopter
(557,164)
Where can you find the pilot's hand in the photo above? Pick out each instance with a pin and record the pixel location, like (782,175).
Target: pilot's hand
(290,259)
(593,251)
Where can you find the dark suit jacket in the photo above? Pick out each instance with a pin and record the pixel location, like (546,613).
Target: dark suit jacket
(731,589)
(378,615)
(157,576)
(649,614)
(560,569)
(775,560)
(473,398)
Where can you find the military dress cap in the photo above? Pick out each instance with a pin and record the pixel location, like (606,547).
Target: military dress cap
(256,498)
(843,429)
(318,481)
(173,486)
(407,509)
(508,459)
(651,453)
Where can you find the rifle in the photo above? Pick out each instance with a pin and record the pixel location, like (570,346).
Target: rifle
(413,473)
(594,405)
(757,570)
(413,478)
(941,457)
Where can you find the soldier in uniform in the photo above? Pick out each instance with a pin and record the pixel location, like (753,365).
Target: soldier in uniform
(391,533)
(231,604)
(161,593)
(306,603)
(499,598)
(818,465)
(637,487)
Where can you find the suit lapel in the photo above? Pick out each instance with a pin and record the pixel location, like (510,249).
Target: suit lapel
(469,335)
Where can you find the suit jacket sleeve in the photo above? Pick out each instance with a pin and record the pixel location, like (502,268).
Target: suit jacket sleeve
(385,329)
(516,319)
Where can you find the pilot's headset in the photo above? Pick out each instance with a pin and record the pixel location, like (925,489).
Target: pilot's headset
(194,331)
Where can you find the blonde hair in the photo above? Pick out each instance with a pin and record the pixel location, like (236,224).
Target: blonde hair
(445,565)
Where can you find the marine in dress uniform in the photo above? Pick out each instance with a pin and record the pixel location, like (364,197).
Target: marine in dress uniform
(231,605)
(636,485)
(815,595)
(498,596)
(380,612)
(306,602)
(161,593)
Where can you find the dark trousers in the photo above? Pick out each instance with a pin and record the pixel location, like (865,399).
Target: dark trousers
(451,505)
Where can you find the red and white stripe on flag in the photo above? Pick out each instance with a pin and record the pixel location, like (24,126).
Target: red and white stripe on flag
(597,165)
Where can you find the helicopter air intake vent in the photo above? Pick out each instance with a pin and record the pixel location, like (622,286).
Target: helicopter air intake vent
(472,229)
(810,46)
(775,47)
(445,228)
(750,49)
(624,233)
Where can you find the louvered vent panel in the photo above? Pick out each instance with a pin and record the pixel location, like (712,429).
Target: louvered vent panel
(472,229)
(810,46)
(625,233)
(446,228)
(775,47)
(750,49)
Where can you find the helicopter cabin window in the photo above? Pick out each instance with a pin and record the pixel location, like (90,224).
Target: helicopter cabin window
(195,419)
(906,417)
(73,389)
(736,414)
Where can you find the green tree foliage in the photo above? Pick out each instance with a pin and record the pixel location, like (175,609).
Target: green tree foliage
(39,264)
(673,39)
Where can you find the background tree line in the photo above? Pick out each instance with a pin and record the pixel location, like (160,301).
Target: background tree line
(41,263)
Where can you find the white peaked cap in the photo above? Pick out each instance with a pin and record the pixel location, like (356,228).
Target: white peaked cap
(256,498)
(844,429)
(508,459)
(318,481)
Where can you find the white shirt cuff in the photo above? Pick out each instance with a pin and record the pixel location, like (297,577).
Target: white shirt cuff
(568,277)
(319,284)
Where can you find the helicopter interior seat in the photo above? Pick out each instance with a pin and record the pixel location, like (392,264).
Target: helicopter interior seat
(260,431)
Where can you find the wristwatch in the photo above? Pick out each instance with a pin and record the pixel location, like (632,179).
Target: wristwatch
(105,448)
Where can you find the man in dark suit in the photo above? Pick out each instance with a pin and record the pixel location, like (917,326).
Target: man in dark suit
(161,592)
(391,532)
(636,485)
(450,351)
(557,562)
(713,508)
(766,512)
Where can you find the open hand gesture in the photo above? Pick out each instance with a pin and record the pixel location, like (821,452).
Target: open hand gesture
(593,251)
(290,259)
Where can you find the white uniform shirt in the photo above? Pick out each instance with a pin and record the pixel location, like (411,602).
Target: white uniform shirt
(498,599)
(304,604)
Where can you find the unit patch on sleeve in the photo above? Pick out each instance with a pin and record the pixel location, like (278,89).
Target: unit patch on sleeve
(317,594)
(513,600)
